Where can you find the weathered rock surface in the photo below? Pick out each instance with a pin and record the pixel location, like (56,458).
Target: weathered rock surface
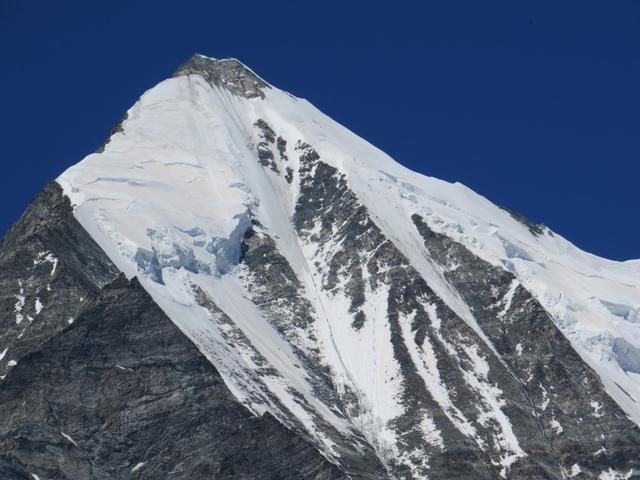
(577,422)
(226,73)
(122,393)
(52,270)
(119,392)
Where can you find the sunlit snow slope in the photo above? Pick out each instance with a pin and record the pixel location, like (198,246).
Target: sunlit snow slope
(214,174)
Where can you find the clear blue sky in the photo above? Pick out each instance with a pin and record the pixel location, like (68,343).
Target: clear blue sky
(534,104)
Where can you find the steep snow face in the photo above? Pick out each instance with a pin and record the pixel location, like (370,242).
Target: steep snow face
(204,158)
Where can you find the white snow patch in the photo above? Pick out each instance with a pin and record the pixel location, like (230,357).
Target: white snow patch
(508,298)
(68,438)
(596,409)
(19,305)
(545,398)
(38,305)
(431,432)
(47,257)
(575,470)
(612,474)
(555,424)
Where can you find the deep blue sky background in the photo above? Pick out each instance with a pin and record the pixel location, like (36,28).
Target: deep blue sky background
(535,105)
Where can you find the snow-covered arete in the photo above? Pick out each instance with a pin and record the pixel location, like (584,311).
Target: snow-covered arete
(196,164)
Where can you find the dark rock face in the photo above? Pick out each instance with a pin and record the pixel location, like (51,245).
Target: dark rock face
(122,393)
(265,146)
(579,422)
(119,392)
(52,272)
(282,148)
(536,229)
(226,73)
(117,128)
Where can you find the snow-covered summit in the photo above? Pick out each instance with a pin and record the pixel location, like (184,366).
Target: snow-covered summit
(214,161)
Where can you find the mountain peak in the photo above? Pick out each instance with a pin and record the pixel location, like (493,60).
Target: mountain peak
(407,327)
(228,73)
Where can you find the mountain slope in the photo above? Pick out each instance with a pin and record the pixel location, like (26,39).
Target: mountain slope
(99,383)
(405,326)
